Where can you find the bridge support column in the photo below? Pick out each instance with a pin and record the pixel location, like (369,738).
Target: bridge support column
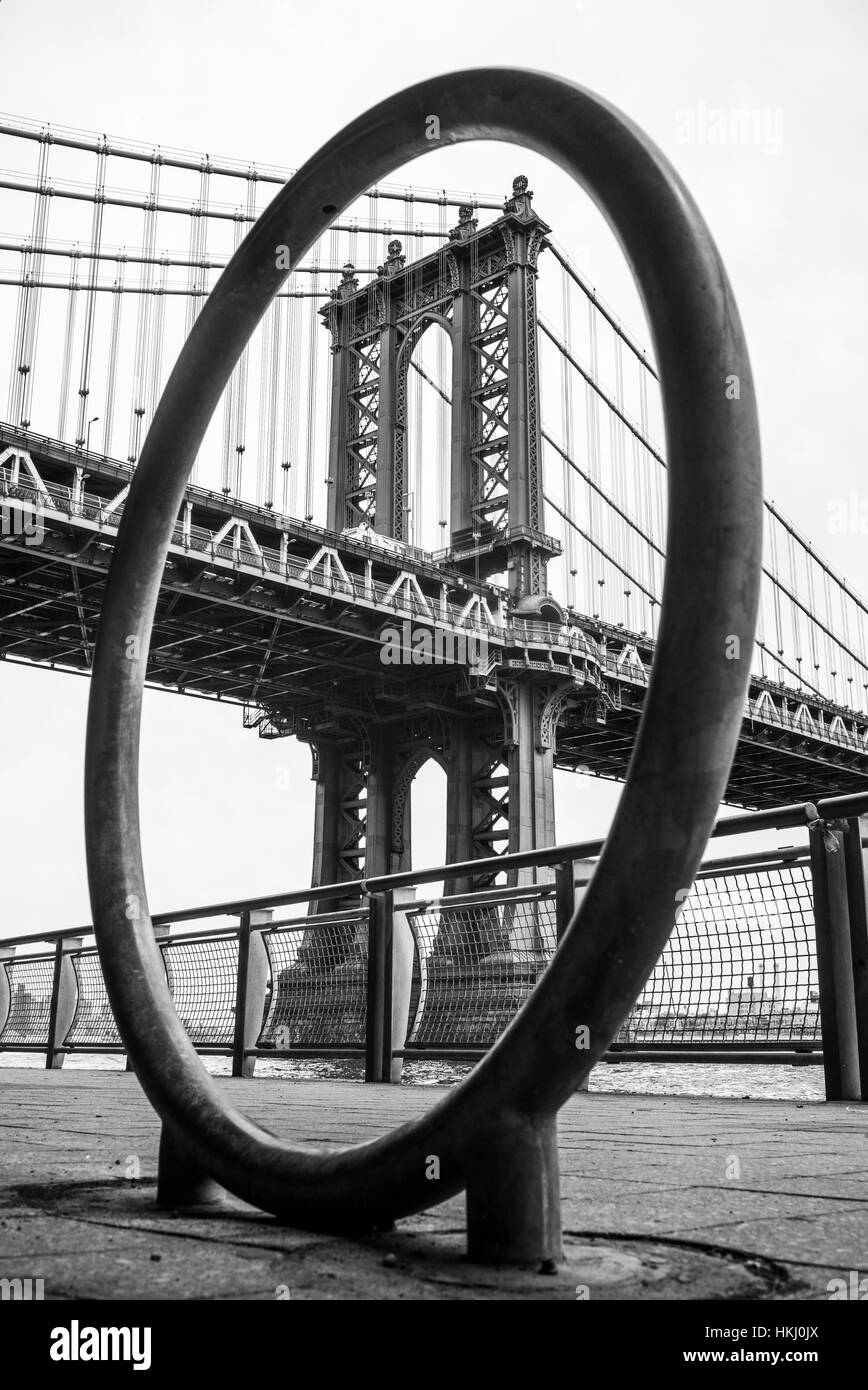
(388,844)
(339,813)
(531,779)
(338,831)
(476,799)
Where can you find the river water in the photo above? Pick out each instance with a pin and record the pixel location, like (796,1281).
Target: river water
(736,1081)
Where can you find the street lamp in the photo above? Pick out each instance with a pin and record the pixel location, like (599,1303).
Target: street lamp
(89,423)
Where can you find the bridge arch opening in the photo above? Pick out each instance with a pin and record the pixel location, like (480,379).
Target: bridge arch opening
(428,818)
(427,372)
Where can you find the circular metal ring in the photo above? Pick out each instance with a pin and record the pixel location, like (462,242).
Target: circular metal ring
(693,706)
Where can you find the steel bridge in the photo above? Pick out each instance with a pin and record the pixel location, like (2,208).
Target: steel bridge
(443,543)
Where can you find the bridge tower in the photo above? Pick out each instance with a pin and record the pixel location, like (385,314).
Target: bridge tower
(496,745)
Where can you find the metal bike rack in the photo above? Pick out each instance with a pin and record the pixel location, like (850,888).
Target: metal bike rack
(495,1135)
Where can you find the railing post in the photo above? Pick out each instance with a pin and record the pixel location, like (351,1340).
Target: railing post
(403,955)
(565,896)
(834,962)
(856,869)
(569,891)
(64,995)
(6,953)
(250,990)
(378,1027)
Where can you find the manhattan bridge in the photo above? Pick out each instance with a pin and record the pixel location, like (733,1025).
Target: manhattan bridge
(438,427)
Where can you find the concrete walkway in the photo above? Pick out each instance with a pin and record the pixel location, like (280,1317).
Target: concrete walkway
(662,1198)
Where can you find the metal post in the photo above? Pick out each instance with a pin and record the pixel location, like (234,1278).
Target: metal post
(181,1180)
(513,1192)
(856,869)
(565,896)
(64,996)
(403,955)
(7,953)
(241,994)
(565,907)
(834,964)
(378,1028)
(250,989)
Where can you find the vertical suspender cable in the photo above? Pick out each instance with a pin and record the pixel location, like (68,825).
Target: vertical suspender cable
(312,373)
(834,655)
(290,454)
(594,581)
(230,398)
(197,274)
(443,430)
(114,339)
(155,365)
(90,297)
(567,434)
(624,549)
(779,630)
(30,298)
(373,202)
(268,405)
(143,324)
(794,611)
(244,364)
(68,340)
(646,465)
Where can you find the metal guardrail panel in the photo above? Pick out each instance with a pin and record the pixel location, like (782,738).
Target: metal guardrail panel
(202,980)
(477,966)
(319,985)
(30,986)
(740,966)
(93,1024)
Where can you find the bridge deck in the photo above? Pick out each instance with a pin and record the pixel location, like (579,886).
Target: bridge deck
(648,1207)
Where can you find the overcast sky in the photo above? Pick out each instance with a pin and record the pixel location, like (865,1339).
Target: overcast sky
(271,82)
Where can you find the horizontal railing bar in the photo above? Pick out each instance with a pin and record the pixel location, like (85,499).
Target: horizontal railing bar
(324,1051)
(436,1053)
(750,863)
(715,1055)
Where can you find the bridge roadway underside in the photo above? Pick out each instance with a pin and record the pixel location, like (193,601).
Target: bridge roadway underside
(650,1209)
(304,653)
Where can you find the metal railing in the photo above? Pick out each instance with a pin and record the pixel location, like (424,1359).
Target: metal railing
(766,962)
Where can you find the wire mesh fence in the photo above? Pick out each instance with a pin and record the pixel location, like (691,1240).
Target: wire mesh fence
(319,983)
(478,962)
(30,985)
(93,1023)
(739,967)
(739,970)
(202,977)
